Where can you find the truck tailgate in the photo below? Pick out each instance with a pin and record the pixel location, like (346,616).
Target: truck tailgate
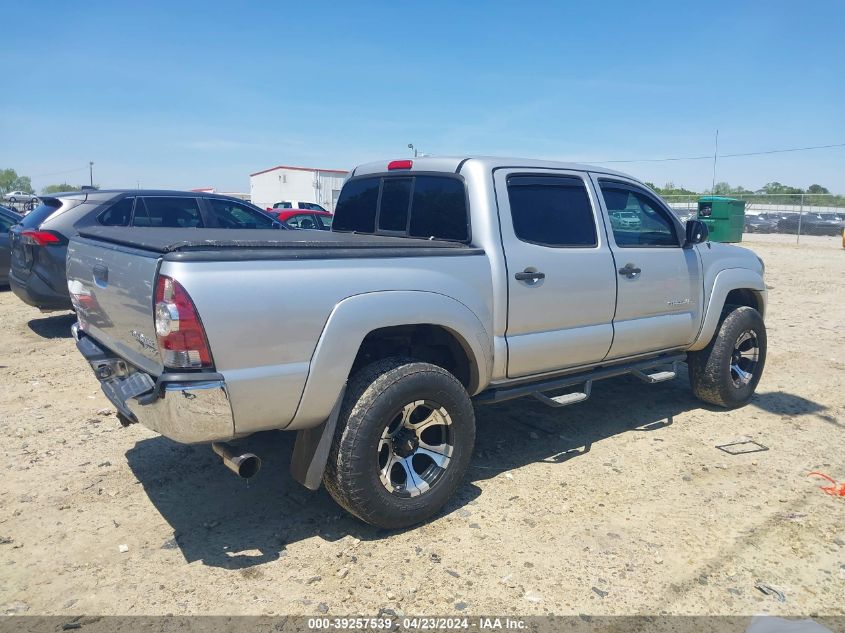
(112,290)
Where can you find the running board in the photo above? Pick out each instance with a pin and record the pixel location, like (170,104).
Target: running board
(648,367)
(567,398)
(658,376)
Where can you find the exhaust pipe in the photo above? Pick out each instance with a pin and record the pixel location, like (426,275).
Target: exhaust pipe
(244,465)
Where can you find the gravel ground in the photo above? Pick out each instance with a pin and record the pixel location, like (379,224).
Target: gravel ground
(620,505)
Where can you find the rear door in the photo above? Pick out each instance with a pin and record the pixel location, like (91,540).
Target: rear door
(660,290)
(561,280)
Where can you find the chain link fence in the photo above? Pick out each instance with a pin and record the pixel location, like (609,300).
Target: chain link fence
(794,213)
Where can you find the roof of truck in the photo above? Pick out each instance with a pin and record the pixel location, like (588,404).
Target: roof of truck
(456,163)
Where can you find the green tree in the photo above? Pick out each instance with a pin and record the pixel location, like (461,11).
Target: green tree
(60,188)
(776,187)
(817,189)
(10,181)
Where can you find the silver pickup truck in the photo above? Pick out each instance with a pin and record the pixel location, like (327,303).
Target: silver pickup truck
(445,282)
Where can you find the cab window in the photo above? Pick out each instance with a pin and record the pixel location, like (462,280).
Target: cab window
(552,211)
(637,220)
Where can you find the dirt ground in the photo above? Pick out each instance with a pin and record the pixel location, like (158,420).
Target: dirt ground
(620,505)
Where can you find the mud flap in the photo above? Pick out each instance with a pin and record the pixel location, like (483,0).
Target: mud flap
(311,451)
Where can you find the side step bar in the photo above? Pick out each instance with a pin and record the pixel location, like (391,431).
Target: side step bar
(567,398)
(539,387)
(658,376)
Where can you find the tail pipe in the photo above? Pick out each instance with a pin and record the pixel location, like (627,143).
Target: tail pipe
(244,465)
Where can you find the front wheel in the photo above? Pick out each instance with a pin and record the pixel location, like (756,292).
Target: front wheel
(404,442)
(727,371)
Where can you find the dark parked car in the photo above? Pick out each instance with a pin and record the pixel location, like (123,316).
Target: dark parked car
(811,224)
(39,242)
(8,218)
(760,224)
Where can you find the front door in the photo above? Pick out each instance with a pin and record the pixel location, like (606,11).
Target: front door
(561,279)
(660,291)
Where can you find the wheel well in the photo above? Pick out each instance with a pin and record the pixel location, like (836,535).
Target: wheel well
(743,297)
(429,343)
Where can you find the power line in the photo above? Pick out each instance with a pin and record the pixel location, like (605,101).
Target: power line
(648,160)
(779,151)
(710,157)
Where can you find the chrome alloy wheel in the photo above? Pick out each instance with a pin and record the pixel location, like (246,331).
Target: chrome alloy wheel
(744,358)
(415,448)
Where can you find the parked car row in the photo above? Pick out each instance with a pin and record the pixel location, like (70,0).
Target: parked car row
(809,223)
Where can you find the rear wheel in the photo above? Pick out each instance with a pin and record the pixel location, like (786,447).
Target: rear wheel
(404,442)
(727,371)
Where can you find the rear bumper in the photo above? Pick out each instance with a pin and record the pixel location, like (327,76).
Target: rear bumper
(37,293)
(188,407)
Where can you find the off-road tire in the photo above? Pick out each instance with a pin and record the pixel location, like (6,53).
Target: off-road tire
(372,397)
(709,368)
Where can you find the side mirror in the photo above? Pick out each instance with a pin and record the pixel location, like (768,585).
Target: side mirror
(696,233)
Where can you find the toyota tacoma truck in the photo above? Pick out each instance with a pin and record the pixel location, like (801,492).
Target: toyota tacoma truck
(444,283)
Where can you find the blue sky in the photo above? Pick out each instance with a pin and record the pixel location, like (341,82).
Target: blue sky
(195,94)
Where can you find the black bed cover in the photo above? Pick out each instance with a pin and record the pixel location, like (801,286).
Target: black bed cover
(195,244)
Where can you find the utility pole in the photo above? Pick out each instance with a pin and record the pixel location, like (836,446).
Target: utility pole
(715,155)
(91,172)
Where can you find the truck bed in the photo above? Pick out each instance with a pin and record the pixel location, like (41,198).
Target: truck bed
(191,244)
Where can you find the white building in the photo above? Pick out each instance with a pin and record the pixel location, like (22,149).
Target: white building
(296,183)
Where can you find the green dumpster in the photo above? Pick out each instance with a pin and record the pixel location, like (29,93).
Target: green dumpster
(724,217)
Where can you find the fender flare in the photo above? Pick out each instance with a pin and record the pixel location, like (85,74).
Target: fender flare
(725,281)
(353,318)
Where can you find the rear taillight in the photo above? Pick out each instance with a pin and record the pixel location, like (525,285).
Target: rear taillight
(41,238)
(399,164)
(181,338)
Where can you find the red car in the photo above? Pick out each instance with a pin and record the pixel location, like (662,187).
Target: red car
(303,218)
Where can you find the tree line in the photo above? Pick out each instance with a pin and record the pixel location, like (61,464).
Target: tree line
(772,193)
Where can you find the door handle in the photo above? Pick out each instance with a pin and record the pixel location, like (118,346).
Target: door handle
(529,276)
(630,271)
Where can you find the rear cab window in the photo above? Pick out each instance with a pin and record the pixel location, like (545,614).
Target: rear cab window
(424,206)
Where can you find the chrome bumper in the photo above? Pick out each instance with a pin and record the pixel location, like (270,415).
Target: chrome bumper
(186,407)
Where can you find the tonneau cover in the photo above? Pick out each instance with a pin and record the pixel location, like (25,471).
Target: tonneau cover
(170,240)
